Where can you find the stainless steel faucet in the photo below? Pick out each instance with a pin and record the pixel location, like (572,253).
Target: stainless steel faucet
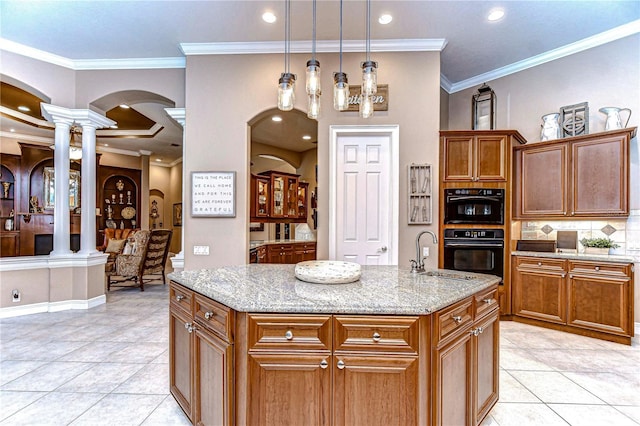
(417,265)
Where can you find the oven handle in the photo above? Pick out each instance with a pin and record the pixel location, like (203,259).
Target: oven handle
(474,197)
(475,245)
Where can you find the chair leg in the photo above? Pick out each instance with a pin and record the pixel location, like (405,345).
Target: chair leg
(141,283)
(108,282)
(164,280)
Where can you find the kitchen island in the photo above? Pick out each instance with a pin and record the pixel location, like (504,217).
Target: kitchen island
(252,344)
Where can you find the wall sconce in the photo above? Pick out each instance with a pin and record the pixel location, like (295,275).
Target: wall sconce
(483,109)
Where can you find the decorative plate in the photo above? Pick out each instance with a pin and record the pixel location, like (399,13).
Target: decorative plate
(128,212)
(327,271)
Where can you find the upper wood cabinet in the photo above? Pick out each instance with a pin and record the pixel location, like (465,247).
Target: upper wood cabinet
(278,197)
(476,156)
(582,176)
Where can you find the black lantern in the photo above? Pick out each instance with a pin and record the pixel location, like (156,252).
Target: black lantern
(483,109)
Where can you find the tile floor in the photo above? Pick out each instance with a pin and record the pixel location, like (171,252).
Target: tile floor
(109,366)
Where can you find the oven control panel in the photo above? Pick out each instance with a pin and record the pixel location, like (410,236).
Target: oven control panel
(488,234)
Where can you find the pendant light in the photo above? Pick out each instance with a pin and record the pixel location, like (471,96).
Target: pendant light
(286,83)
(369,74)
(340,80)
(313,76)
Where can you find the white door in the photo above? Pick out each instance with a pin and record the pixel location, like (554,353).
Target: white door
(364,188)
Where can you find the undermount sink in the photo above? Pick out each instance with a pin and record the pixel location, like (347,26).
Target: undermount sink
(448,275)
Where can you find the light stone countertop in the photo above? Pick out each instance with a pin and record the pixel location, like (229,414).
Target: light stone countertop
(380,290)
(577,256)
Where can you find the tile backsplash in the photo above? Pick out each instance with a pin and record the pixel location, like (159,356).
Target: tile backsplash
(625,232)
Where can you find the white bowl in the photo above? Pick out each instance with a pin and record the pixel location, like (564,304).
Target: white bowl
(327,271)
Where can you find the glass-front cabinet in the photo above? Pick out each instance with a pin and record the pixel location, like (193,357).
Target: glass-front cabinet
(278,197)
(303,189)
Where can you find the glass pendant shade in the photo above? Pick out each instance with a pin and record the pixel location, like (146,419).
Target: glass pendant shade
(313,107)
(369,78)
(340,91)
(366,106)
(286,94)
(313,77)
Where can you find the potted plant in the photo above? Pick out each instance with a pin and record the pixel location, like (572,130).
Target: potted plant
(598,245)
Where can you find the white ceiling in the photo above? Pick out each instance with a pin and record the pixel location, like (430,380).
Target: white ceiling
(90,32)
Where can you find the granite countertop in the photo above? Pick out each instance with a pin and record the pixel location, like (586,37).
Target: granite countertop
(380,290)
(256,243)
(577,256)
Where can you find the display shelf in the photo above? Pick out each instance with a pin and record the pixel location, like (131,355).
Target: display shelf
(419,199)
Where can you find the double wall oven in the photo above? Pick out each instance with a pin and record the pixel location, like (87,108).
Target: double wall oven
(477,246)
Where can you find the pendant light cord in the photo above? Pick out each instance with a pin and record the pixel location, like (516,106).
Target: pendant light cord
(368,47)
(340,36)
(287,30)
(313,43)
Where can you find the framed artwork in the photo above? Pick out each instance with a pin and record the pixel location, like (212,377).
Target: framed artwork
(177,214)
(213,194)
(255,226)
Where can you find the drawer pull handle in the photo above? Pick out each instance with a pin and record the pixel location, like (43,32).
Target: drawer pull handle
(376,336)
(341,365)
(208,315)
(288,335)
(563,275)
(597,268)
(190,327)
(457,319)
(488,301)
(179,297)
(539,263)
(324,364)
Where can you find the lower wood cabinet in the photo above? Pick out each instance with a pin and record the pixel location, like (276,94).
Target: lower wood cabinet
(288,252)
(593,298)
(232,367)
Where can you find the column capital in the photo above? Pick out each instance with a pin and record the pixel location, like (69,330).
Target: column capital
(178,114)
(83,117)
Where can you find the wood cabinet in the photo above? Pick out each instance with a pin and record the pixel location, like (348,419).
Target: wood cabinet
(581,176)
(287,252)
(333,369)
(465,357)
(476,156)
(278,197)
(280,253)
(303,252)
(594,298)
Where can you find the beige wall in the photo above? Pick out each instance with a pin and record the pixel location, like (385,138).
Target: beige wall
(175,196)
(216,133)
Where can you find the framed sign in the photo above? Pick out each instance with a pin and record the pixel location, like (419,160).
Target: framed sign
(380,99)
(213,194)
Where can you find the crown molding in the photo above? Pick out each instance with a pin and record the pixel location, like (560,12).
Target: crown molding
(579,46)
(38,140)
(304,46)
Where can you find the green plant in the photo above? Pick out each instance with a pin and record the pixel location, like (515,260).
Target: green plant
(598,242)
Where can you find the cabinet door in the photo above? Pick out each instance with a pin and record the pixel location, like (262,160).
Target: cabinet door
(291,198)
(491,158)
(213,387)
(260,196)
(180,360)
(600,303)
(542,182)
(600,177)
(458,158)
(375,390)
(452,383)
(540,293)
(278,183)
(485,365)
(289,389)
(303,189)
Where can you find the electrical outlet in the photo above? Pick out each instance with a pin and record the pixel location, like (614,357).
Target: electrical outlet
(201,250)
(425,251)
(15,295)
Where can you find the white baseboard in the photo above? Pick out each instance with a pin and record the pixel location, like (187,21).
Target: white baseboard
(64,305)
(637,329)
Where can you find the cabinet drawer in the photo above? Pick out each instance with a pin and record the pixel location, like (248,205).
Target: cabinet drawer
(272,332)
(453,319)
(485,302)
(604,269)
(376,334)
(540,264)
(181,297)
(214,316)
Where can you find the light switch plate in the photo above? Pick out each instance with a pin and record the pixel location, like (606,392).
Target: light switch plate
(425,251)
(201,250)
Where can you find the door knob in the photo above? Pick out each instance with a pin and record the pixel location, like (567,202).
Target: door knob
(383,249)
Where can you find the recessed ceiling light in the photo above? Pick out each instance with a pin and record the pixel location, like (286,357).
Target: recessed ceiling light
(24,108)
(115,126)
(270,157)
(124,106)
(12,130)
(384,19)
(306,137)
(159,160)
(276,118)
(495,15)
(269,17)
(106,144)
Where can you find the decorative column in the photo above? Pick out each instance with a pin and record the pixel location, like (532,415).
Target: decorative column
(145,157)
(180,115)
(64,118)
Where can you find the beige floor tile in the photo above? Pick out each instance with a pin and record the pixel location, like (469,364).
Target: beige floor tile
(610,387)
(591,415)
(633,412)
(13,401)
(95,352)
(168,413)
(163,358)
(581,360)
(55,408)
(553,387)
(140,352)
(512,390)
(47,377)
(11,370)
(120,409)
(152,379)
(521,359)
(101,378)
(525,414)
